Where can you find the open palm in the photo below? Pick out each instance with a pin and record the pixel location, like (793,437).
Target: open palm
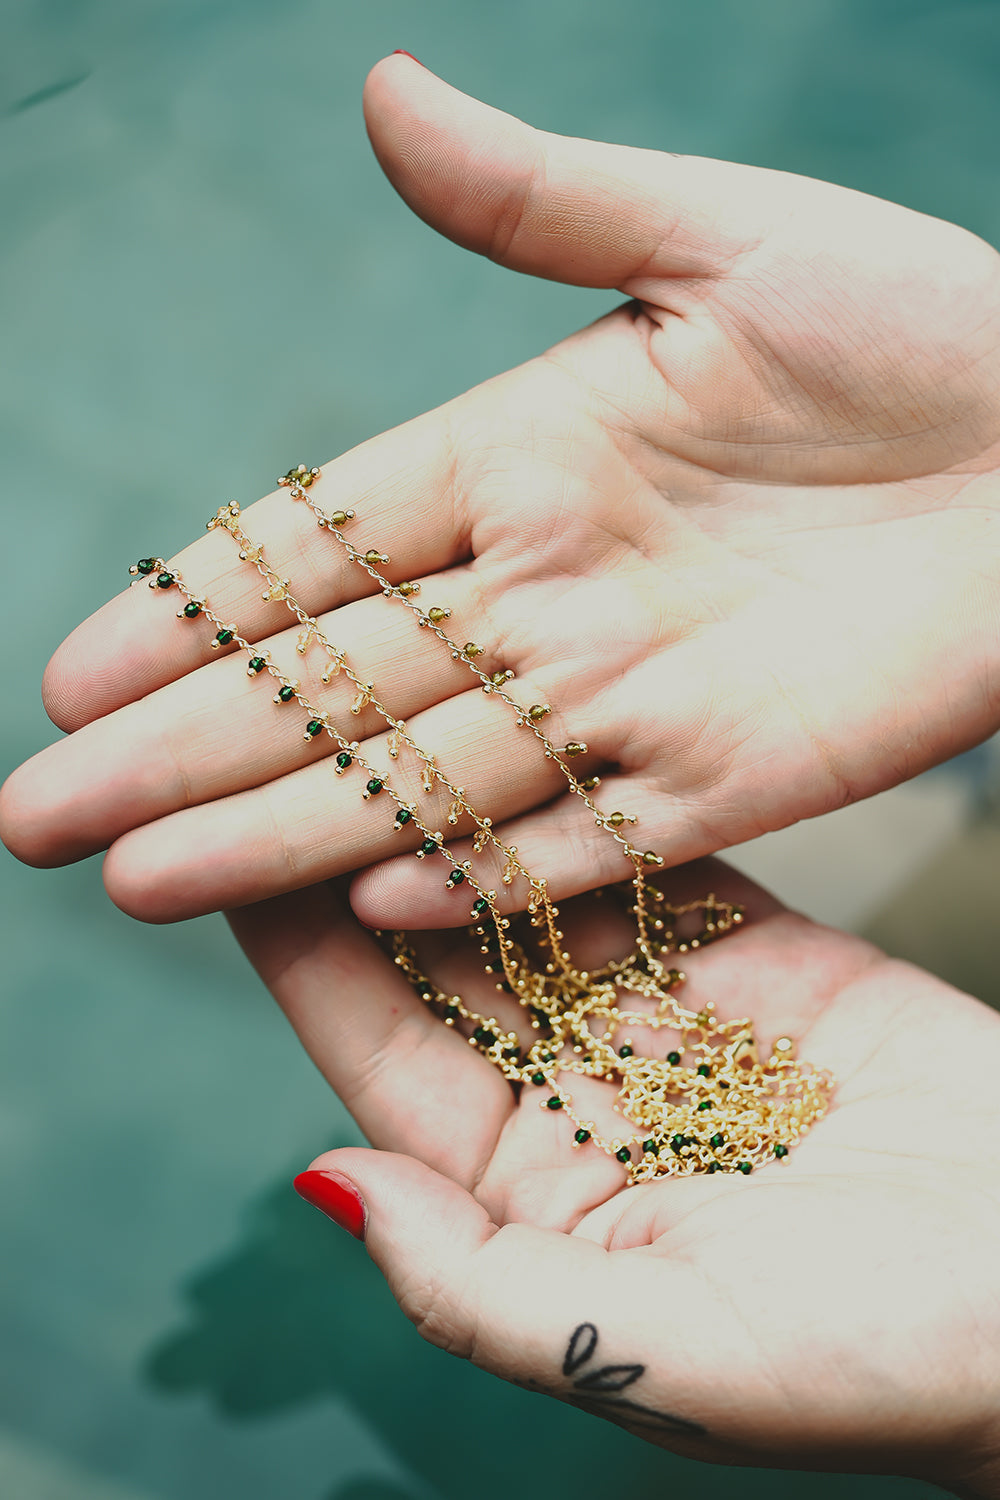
(741,534)
(837,1310)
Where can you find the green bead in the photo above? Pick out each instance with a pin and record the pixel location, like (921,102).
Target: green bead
(780,1151)
(456,877)
(478,907)
(165,580)
(256,664)
(673,1058)
(428,846)
(715,1166)
(224,637)
(625,1154)
(511,1052)
(555,1102)
(744,1167)
(313,728)
(483,1037)
(192,610)
(343,760)
(651,1147)
(451,1012)
(705,1104)
(286,692)
(704,1071)
(539,1078)
(145,565)
(373,787)
(582,1137)
(625,1051)
(717,1141)
(676,1142)
(403,816)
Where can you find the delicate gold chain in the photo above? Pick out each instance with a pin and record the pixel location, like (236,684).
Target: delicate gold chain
(711,1104)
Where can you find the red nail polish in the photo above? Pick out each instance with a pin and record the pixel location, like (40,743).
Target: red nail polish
(337,1197)
(399,52)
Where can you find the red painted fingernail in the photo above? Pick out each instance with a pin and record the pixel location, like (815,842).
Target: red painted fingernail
(337,1197)
(400,52)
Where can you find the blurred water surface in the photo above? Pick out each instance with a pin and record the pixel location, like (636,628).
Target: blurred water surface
(204,277)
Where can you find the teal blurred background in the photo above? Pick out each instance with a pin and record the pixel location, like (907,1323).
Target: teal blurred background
(205,278)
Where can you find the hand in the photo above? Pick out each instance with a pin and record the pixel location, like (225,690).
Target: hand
(741,534)
(838,1310)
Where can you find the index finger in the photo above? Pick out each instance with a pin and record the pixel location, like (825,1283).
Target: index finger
(399,486)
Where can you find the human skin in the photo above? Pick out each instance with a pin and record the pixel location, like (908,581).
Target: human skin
(839,1310)
(741,534)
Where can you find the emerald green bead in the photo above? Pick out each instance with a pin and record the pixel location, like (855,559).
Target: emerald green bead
(452,1012)
(224,637)
(373,787)
(555,1102)
(744,1167)
(538,1078)
(456,877)
(192,610)
(717,1141)
(510,1053)
(582,1137)
(403,816)
(286,692)
(255,664)
(343,760)
(165,580)
(145,565)
(715,1166)
(313,728)
(624,1154)
(704,1071)
(673,1058)
(428,846)
(625,1051)
(651,1147)
(483,1037)
(676,1142)
(478,907)
(705,1104)
(780,1151)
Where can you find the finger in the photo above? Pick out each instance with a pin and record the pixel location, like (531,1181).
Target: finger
(407,1079)
(540,1308)
(567,209)
(186,743)
(313,824)
(397,483)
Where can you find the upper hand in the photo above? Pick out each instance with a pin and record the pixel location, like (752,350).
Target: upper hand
(741,534)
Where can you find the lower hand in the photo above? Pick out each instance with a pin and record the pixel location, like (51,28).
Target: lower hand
(840,1310)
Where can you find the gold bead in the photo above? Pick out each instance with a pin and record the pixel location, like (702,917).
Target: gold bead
(437,614)
(471,649)
(649,858)
(339,518)
(538,711)
(615,819)
(372,557)
(591,784)
(408,589)
(575,747)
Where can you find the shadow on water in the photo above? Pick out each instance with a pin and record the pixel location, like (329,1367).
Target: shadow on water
(296,1312)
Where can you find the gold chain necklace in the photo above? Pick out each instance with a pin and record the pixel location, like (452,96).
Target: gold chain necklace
(710,1103)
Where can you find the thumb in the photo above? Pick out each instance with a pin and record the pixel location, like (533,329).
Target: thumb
(537,1307)
(550,205)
